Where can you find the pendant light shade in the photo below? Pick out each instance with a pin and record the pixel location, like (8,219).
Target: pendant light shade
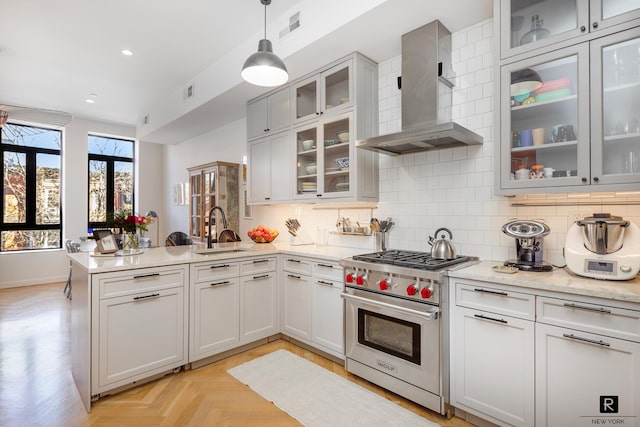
(265,68)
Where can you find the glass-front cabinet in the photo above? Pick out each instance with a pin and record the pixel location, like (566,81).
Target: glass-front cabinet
(615,126)
(324,158)
(533,24)
(328,92)
(545,120)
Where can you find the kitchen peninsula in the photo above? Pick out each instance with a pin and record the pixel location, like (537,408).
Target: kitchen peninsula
(139,317)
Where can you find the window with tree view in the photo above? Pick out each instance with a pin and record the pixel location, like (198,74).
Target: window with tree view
(111,180)
(31,202)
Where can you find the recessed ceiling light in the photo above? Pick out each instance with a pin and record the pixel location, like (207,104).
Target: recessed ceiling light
(91,99)
(127,52)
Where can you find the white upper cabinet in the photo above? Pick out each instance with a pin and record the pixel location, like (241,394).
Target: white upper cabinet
(528,25)
(268,114)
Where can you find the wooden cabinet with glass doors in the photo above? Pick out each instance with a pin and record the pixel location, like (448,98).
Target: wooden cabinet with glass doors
(213,184)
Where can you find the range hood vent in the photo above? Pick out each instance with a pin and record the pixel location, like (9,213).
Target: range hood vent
(427,79)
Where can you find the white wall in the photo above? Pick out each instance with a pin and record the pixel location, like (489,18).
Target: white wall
(28,268)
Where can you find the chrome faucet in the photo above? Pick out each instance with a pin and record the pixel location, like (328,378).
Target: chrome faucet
(210,240)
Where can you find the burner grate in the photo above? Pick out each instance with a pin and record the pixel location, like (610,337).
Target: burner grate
(412,259)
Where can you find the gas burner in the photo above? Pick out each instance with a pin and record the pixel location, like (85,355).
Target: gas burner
(411,259)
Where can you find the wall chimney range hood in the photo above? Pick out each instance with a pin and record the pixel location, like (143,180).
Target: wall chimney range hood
(427,79)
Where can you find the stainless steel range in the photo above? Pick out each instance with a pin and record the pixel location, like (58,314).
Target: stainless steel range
(397,323)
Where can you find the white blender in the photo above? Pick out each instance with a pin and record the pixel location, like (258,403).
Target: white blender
(603,247)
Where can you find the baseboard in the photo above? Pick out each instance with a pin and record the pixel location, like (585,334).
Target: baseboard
(31,282)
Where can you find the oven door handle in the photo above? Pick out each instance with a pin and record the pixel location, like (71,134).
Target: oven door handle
(430,315)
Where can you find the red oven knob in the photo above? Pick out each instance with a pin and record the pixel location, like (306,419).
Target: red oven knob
(349,278)
(384,285)
(412,290)
(360,280)
(425,293)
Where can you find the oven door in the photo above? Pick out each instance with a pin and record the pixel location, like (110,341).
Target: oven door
(394,336)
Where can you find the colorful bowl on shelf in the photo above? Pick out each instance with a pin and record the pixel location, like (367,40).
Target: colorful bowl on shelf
(343,162)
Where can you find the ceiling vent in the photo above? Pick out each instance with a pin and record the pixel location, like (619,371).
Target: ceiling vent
(294,24)
(189,92)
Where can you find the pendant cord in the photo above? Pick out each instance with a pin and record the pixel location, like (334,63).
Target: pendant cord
(265,20)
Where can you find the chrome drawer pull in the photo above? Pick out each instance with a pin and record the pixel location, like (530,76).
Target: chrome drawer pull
(293,276)
(264,276)
(584,307)
(322,282)
(293,260)
(482,316)
(258,261)
(220,266)
(574,337)
(142,276)
(226,282)
(145,296)
(325,265)
(504,294)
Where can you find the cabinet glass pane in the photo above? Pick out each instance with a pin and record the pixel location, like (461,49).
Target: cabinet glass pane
(532,21)
(336,88)
(336,156)
(544,120)
(621,108)
(306,99)
(307,161)
(611,8)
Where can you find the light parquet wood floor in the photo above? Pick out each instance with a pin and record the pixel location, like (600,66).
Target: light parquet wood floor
(37,389)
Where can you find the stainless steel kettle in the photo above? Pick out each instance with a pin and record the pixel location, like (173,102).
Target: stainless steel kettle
(442,248)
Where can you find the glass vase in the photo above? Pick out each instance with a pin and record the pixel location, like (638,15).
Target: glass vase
(130,242)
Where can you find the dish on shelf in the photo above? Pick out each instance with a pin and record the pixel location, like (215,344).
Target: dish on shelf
(333,169)
(343,136)
(342,186)
(343,162)
(308,144)
(553,85)
(330,142)
(554,94)
(311,169)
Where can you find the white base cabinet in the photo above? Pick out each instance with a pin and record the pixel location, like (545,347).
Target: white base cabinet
(139,325)
(232,303)
(493,354)
(313,310)
(585,379)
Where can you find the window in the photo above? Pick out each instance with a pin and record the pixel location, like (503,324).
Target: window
(31,203)
(111,180)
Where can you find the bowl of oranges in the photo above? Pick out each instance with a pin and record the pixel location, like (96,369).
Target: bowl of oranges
(263,234)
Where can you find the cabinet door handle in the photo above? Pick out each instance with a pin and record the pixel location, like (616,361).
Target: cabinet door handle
(258,261)
(264,276)
(584,307)
(143,276)
(267,198)
(594,25)
(226,282)
(322,282)
(146,296)
(486,291)
(318,195)
(590,341)
(293,276)
(293,260)
(219,266)
(482,316)
(325,265)
(583,28)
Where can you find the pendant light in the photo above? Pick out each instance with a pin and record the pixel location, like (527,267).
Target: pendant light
(264,68)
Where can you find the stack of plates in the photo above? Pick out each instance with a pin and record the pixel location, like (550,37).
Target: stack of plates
(309,187)
(343,186)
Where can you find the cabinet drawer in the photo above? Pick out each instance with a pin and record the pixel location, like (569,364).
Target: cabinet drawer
(495,300)
(214,271)
(259,265)
(294,264)
(328,270)
(599,319)
(136,281)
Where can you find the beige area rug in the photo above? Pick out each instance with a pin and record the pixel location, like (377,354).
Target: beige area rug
(317,397)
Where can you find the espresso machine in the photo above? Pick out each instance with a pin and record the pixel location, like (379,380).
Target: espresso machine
(529,236)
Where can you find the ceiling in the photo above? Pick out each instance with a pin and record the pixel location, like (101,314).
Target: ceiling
(55,54)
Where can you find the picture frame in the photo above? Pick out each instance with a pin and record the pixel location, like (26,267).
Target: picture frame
(105,241)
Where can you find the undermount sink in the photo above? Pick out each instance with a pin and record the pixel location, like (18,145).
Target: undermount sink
(215,251)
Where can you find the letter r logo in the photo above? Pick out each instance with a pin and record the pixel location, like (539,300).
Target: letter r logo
(608,404)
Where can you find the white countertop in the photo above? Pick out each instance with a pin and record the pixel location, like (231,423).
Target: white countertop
(172,255)
(558,280)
